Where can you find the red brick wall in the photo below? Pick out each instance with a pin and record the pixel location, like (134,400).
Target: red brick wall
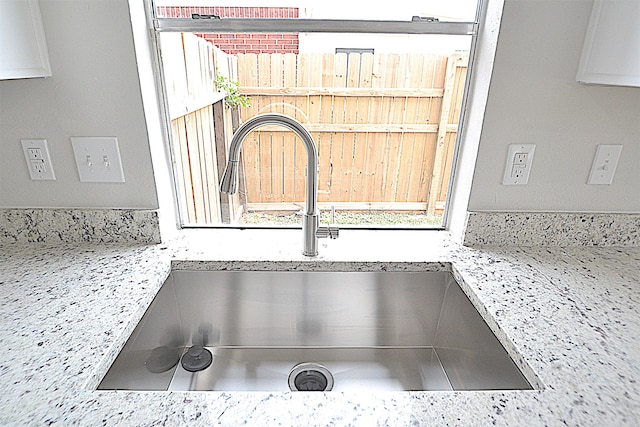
(242,42)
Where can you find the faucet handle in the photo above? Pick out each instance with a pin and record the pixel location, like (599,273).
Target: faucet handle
(332,231)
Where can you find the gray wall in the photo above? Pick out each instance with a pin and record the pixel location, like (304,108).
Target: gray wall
(534,98)
(94,91)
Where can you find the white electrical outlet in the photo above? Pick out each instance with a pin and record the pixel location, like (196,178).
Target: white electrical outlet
(604,164)
(36,153)
(518,167)
(98,159)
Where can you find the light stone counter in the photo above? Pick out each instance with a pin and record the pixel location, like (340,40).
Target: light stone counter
(571,313)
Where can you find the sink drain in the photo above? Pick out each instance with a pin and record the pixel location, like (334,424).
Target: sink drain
(310,376)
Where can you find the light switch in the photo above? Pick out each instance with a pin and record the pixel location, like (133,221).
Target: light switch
(98,159)
(604,164)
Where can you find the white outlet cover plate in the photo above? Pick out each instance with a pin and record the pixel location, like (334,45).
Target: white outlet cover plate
(98,159)
(508,178)
(604,164)
(45,170)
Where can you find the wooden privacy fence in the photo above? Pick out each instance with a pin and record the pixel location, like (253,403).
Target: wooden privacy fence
(201,126)
(385,127)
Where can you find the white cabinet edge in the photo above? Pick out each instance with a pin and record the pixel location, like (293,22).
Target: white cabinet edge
(43,69)
(616,76)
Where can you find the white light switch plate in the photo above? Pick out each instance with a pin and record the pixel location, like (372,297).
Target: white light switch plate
(36,153)
(604,164)
(98,159)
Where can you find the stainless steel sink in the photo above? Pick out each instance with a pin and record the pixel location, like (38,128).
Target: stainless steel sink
(294,330)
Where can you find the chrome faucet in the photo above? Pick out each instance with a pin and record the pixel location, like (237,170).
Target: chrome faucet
(310,220)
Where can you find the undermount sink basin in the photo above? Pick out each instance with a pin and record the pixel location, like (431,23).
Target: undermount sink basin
(296,330)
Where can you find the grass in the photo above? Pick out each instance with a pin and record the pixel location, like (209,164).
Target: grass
(370,218)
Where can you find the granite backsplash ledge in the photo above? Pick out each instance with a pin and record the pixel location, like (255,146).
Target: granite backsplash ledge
(79,226)
(133,226)
(552,229)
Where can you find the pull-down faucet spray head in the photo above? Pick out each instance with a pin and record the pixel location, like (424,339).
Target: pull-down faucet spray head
(229,184)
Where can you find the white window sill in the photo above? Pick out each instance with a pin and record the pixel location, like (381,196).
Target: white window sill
(286,245)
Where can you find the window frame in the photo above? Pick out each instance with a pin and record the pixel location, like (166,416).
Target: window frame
(417,26)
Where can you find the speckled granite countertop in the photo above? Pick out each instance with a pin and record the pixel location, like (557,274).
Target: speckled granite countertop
(571,313)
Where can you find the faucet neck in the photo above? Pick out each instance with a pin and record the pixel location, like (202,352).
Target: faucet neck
(310,218)
(292,124)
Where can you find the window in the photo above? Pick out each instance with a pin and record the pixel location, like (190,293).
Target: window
(385,113)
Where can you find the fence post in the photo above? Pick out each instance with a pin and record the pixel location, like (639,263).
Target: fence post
(221,157)
(438,162)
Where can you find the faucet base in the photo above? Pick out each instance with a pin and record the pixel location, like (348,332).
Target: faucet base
(310,239)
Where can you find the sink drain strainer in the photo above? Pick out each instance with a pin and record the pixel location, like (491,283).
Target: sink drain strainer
(310,376)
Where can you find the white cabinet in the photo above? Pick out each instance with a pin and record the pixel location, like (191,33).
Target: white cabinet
(611,52)
(23,50)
